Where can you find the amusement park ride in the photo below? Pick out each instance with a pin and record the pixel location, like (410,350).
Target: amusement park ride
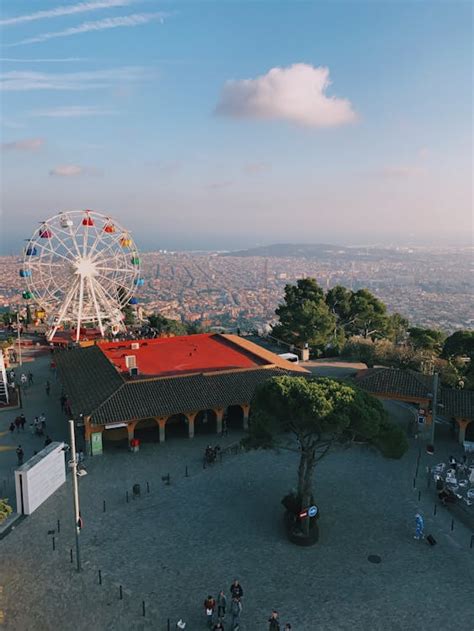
(81,267)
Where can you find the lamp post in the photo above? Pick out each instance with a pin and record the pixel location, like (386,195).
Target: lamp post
(75,488)
(434,407)
(20,361)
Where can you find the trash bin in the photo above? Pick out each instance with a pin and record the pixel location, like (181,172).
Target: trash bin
(136,490)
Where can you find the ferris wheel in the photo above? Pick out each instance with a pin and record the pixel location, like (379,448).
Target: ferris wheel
(81,267)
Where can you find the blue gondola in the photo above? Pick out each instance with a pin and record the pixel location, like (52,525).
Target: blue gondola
(133,301)
(138,282)
(31,251)
(25,273)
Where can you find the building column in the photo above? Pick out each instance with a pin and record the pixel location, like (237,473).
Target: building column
(161,425)
(462,423)
(246,410)
(191,416)
(219,412)
(131,431)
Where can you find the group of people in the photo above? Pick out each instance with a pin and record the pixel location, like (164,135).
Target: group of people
(217,609)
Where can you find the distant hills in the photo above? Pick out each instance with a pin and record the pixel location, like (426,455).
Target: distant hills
(295,250)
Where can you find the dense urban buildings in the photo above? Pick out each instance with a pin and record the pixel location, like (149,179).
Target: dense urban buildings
(430,286)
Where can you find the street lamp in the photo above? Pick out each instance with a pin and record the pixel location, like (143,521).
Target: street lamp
(434,407)
(18,334)
(75,489)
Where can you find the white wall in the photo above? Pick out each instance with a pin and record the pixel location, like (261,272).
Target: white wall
(39,478)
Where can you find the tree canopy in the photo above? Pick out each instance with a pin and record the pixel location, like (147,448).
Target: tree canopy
(166,326)
(459,344)
(426,339)
(318,413)
(304,315)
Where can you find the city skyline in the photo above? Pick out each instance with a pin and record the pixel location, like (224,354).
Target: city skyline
(344,123)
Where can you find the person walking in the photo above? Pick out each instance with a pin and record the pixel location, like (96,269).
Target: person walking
(209,608)
(20,454)
(235,612)
(18,424)
(23,380)
(236,590)
(287,627)
(30,378)
(221,604)
(22,422)
(420,526)
(273,622)
(47,388)
(42,421)
(12,427)
(219,626)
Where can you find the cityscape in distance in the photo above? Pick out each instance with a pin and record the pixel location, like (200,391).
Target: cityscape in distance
(432,287)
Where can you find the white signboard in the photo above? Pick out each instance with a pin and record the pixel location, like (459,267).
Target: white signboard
(39,478)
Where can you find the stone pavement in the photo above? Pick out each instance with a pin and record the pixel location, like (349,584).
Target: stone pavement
(177,543)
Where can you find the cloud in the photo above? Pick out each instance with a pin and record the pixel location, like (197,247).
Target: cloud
(73,111)
(44,60)
(403,171)
(16,81)
(73,170)
(296,93)
(253,168)
(72,9)
(135,19)
(27,144)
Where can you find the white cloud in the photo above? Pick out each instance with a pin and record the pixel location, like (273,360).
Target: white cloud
(296,93)
(27,144)
(403,171)
(16,81)
(73,170)
(136,19)
(72,9)
(253,168)
(73,111)
(44,60)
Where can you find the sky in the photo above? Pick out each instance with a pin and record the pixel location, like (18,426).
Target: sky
(221,125)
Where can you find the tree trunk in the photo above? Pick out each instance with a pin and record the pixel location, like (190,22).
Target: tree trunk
(306,489)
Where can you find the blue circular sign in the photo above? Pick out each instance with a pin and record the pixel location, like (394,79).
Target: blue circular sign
(312,511)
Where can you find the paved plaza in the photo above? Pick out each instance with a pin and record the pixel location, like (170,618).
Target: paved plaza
(178,543)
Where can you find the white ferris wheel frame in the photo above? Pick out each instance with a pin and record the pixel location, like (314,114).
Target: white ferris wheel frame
(81,273)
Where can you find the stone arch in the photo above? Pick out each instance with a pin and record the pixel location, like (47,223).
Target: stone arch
(177,426)
(469,435)
(205,422)
(147,430)
(234,416)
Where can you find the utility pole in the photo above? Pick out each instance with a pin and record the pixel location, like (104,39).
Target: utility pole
(434,408)
(20,360)
(77,514)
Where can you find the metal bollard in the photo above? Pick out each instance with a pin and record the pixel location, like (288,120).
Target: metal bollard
(147,487)
(186,472)
(435,509)
(100,577)
(71,558)
(59,526)
(143,608)
(121,593)
(103,506)
(54,544)
(168,624)
(414,483)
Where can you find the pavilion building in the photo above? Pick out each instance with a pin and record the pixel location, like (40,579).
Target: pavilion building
(165,386)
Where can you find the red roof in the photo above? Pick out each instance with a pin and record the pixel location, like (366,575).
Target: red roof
(181,355)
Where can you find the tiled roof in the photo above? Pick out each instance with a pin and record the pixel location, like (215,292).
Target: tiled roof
(87,377)
(395,381)
(173,395)
(458,403)
(264,353)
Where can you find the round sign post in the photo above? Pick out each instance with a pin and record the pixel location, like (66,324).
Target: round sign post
(312,511)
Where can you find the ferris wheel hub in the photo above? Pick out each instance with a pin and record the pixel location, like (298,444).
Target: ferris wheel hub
(84,266)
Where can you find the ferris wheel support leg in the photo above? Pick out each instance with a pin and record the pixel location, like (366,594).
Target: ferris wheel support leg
(79,310)
(62,313)
(96,306)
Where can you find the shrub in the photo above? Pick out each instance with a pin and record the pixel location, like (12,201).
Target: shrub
(5,509)
(391,440)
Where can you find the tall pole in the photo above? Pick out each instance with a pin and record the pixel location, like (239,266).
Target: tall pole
(19,335)
(434,404)
(75,493)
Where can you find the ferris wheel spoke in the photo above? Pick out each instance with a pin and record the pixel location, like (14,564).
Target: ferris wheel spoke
(80,307)
(116,269)
(108,247)
(53,252)
(66,247)
(97,310)
(64,309)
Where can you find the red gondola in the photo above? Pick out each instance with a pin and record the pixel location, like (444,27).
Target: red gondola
(87,221)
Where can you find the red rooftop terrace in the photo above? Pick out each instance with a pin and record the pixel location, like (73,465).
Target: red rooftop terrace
(186,355)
